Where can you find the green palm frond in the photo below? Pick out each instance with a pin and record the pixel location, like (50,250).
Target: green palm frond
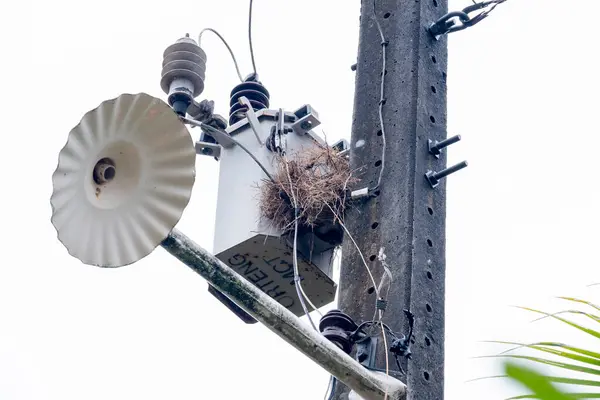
(572,358)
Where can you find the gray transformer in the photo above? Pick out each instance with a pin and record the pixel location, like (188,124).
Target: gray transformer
(249,243)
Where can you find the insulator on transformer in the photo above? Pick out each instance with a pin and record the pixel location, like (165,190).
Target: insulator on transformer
(183,71)
(254,91)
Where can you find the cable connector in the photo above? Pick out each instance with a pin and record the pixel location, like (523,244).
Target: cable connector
(401,346)
(381,304)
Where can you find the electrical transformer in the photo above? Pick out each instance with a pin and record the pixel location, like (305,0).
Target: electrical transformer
(250,243)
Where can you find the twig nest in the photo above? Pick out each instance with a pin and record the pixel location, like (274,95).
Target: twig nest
(316,180)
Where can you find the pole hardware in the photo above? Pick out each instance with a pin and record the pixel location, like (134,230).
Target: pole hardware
(456,21)
(435,148)
(434,177)
(338,327)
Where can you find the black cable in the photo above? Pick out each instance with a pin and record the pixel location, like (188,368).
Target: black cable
(250,38)
(219,132)
(237,68)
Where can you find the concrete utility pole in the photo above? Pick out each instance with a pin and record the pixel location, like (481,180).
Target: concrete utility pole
(407,217)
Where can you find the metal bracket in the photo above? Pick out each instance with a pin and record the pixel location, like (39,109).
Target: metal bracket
(252,119)
(208,149)
(221,137)
(308,119)
(366,352)
(275,142)
(342,146)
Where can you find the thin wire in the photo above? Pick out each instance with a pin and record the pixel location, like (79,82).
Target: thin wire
(331,388)
(358,249)
(297,282)
(237,68)
(296,262)
(250,37)
(387,360)
(237,143)
(381,98)
(387,357)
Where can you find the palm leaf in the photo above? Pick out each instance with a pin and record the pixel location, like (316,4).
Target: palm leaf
(553,379)
(576,312)
(566,321)
(547,344)
(540,387)
(575,300)
(570,367)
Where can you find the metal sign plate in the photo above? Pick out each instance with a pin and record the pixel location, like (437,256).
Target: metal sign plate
(267,262)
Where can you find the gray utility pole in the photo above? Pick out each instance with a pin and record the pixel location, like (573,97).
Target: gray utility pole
(407,217)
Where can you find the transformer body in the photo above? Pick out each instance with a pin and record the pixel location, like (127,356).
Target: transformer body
(251,244)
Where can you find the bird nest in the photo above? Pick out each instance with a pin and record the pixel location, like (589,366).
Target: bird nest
(316,179)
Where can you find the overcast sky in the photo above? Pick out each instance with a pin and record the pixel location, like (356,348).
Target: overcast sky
(522,219)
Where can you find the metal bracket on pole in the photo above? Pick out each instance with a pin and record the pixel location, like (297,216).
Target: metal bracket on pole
(366,352)
(368,384)
(208,149)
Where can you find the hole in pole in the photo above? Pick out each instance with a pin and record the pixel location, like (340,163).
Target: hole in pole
(432,119)
(378,163)
(433,59)
(386,15)
(426,375)
(373,257)
(427,341)
(429,242)
(430,210)
(375,225)
(429,275)
(371,290)
(433,89)
(428,307)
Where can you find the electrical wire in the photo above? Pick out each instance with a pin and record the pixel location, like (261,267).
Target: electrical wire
(331,388)
(250,38)
(381,97)
(375,286)
(237,143)
(297,281)
(237,68)
(358,249)
(387,357)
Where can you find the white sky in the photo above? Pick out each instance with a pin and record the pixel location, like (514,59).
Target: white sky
(521,219)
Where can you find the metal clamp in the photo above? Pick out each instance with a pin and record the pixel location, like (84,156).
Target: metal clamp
(342,146)
(308,119)
(208,149)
